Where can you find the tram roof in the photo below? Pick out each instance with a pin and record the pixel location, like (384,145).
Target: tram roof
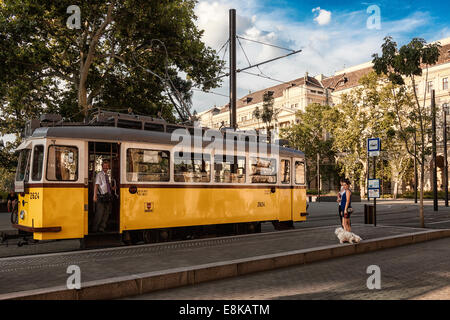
(95,133)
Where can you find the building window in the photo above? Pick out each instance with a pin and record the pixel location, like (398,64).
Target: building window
(429,86)
(147,165)
(445,84)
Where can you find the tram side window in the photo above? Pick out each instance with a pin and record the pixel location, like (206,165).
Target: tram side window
(147,165)
(23,166)
(285,171)
(192,167)
(229,171)
(299,172)
(263,170)
(62,163)
(38,159)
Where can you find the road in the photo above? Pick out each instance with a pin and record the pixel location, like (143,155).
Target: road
(425,274)
(389,212)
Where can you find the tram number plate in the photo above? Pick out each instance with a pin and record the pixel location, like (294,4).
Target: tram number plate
(34,195)
(261,204)
(148,206)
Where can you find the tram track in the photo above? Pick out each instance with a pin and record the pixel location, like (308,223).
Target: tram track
(58,259)
(385,217)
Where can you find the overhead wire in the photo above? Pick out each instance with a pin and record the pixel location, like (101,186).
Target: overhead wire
(264,43)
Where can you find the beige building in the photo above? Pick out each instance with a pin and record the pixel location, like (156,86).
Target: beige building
(295,95)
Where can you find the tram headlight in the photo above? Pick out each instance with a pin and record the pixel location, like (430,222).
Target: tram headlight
(22,214)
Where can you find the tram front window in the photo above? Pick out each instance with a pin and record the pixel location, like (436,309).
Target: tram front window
(23,166)
(62,163)
(38,158)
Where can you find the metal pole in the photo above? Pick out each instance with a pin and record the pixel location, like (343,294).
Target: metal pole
(233,68)
(374,199)
(416,178)
(367,174)
(318,176)
(445,156)
(433,125)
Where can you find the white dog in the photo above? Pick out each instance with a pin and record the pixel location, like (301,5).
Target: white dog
(345,236)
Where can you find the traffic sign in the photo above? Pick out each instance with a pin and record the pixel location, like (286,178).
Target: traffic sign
(374,184)
(373,147)
(374,193)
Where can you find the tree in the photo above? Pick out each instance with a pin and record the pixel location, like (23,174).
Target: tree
(360,118)
(268,114)
(310,135)
(413,122)
(126,53)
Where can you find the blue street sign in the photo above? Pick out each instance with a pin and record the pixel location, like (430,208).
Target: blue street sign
(374,193)
(374,184)
(373,147)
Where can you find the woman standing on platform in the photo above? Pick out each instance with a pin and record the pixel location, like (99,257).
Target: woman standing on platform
(339,197)
(346,205)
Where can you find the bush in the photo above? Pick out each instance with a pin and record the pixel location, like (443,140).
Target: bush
(3,196)
(426,195)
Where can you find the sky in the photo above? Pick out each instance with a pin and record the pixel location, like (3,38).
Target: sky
(332,35)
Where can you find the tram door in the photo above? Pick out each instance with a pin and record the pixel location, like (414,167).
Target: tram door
(285,194)
(99,152)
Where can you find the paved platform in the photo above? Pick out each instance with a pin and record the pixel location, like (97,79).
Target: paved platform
(402,276)
(126,271)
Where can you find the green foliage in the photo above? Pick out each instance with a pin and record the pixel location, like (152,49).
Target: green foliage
(426,195)
(310,136)
(6,180)
(44,66)
(268,114)
(412,118)
(406,61)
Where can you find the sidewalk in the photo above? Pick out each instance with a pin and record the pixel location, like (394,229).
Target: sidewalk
(127,271)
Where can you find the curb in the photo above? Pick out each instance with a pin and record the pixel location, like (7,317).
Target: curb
(133,285)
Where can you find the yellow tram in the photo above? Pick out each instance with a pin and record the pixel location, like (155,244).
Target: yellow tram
(161,192)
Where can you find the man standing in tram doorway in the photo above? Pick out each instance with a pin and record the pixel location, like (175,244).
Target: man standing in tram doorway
(103,198)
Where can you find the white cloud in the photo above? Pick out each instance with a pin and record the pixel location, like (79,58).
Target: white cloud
(326,49)
(324,16)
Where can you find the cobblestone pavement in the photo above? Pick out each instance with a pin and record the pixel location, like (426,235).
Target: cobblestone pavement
(419,271)
(41,271)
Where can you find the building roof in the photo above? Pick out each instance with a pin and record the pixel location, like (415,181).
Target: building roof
(337,82)
(257,97)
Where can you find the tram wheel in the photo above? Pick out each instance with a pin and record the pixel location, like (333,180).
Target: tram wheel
(14,215)
(148,236)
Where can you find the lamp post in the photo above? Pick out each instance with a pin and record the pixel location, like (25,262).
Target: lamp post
(445,111)
(433,124)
